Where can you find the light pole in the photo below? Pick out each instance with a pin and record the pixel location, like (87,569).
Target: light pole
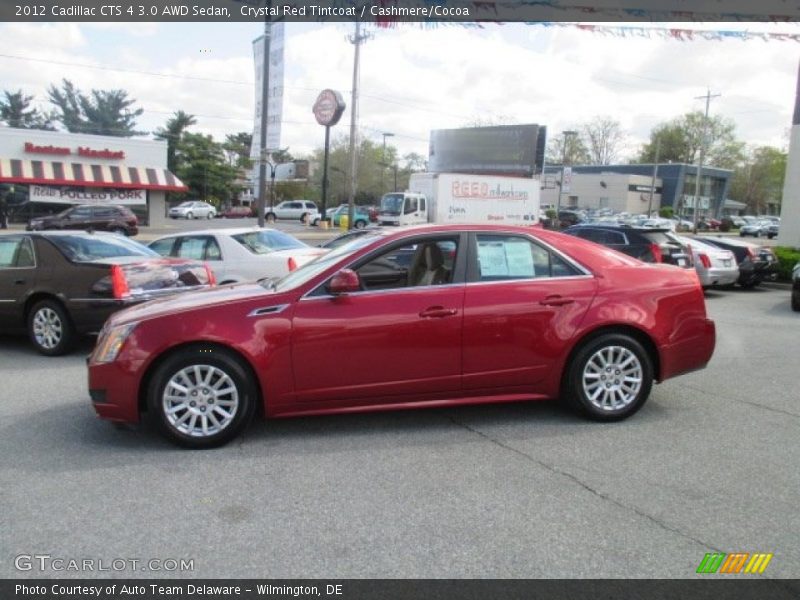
(567,135)
(383,156)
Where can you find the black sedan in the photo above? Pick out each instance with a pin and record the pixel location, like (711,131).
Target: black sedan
(56,285)
(756,263)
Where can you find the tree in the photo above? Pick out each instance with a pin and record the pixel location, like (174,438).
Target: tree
(203,167)
(681,140)
(567,149)
(173,133)
(237,148)
(16,111)
(602,137)
(101,112)
(758,179)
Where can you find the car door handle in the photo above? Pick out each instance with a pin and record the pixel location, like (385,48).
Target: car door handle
(556,300)
(437,312)
(19,282)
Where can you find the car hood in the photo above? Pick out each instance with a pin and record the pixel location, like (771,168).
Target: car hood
(190,301)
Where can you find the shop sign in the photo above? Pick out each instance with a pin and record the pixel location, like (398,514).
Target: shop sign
(66,195)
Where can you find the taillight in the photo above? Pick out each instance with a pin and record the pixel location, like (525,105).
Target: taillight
(292,264)
(655,250)
(706,261)
(119,284)
(211,279)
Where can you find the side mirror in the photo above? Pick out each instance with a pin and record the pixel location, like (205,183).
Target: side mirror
(344,282)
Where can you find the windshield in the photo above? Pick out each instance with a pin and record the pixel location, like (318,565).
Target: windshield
(268,240)
(82,248)
(310,270)
(392,204)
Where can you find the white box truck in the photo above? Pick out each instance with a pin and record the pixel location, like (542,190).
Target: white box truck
(462,198)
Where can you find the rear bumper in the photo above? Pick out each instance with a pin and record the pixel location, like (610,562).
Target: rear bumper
(113,389)
(691,353)
(721,276)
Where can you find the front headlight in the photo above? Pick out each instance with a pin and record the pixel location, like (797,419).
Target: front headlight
(111,342)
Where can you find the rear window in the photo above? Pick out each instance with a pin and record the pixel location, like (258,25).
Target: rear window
(264,242)
(657,237)
(84,248)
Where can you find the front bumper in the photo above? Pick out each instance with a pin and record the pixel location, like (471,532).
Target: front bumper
(114,390)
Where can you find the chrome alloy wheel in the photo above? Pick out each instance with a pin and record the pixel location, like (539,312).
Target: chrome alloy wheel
(612,378)
(47,328)
(200,400)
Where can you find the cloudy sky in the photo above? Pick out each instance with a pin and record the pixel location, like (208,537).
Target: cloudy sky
(416,79)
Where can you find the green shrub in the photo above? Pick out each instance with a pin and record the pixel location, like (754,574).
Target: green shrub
(725,224)
(666,212)
(787,259)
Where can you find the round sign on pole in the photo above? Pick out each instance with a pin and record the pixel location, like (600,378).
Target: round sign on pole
(328,108)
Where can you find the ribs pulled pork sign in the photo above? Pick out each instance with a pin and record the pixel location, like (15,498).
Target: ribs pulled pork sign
(43,193)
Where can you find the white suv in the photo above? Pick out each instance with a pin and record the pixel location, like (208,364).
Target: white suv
(300,210)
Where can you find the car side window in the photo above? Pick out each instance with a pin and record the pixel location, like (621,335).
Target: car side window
(163,247)
(80,213)
(16,252)
(508,258)
(213,251)
(311,206)
(193,247)
(426,263)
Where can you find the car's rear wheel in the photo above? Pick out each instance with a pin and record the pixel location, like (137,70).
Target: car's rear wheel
(360,224)
(304,218)
(202,397)
(610,377)
(209,215)
(49,328)
(270,217)
(190,215)
(796,300)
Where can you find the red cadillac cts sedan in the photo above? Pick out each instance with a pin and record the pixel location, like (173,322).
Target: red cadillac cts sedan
(407,318)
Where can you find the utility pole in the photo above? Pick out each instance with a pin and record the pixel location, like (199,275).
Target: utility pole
(653,182)
(567,135)
(262,158)
(703,140)
(383,158)
(357,39)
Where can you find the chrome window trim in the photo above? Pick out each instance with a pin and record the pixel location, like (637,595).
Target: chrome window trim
(416,288)
(532,280)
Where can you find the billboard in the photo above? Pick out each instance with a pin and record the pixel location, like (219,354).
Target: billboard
(516,150)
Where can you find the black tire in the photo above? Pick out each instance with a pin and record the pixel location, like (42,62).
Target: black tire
(189,215)
(360,224)
(221,361)
(315,223)
(50,329)
(796,300)
(304,218)
(269,217)
(209,215)
(583,364)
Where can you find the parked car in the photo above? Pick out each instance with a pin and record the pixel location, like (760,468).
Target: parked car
(665,224)
(646,244)
(361,216)
(241,254)
(293,210)
(237,212)
(57,285)
(714,266)
(193,209)
(482,314)
(759,228)
(796,288)
(756,263)
(97,217)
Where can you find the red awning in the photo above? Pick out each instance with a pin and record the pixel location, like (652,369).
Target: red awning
(45,172)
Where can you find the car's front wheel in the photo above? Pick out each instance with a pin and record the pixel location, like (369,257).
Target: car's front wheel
(610,377)
(269,217)
(190,215)
(202,397)
(49,328)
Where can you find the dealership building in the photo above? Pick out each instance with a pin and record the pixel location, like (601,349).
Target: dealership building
(43,172)
(675,187)
(619,192)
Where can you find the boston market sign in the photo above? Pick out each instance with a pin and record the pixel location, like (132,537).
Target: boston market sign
(81,151)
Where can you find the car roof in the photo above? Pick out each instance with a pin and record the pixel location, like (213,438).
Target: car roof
(69,232)
(618,227)
(226,231)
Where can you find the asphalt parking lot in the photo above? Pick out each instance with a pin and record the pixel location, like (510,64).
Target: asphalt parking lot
(512,491)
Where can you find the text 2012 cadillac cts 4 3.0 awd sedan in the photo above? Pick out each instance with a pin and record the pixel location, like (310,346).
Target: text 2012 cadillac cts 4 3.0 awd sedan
(407,318)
